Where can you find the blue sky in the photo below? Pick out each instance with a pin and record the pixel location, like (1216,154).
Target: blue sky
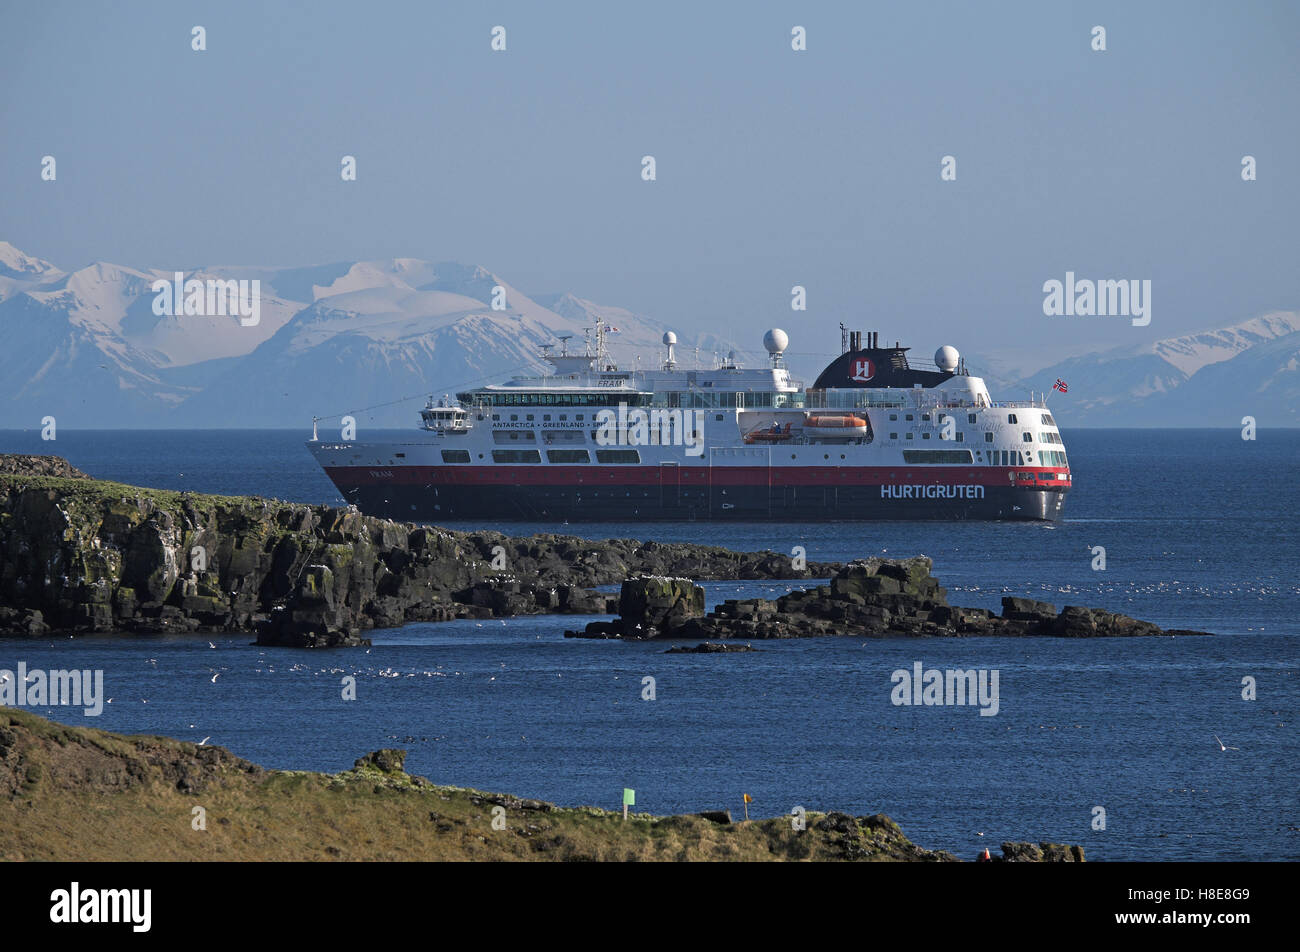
(775,168)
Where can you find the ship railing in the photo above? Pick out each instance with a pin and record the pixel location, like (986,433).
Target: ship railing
(447,427)
(822,400)
(1038,403)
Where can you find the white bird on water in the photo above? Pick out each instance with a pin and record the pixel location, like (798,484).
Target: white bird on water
(1222,747)
(205,740)
(211,645)
(215,676)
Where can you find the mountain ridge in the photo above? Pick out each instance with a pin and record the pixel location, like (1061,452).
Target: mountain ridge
(86,347)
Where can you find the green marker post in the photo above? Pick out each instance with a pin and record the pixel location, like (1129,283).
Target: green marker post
(629,799)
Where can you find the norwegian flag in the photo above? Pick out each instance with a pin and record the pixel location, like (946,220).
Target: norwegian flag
(1060,385)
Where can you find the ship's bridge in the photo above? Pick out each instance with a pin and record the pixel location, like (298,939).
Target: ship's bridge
(541,392)
(955,392)
(592,379)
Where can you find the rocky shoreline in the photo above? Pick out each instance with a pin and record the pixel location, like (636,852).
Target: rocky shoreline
(874,598)
(76,793)
(82,555)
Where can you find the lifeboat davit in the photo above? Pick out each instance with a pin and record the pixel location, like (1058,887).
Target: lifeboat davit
(837,424)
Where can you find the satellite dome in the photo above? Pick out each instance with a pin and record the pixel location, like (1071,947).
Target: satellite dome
(670,338)
(946,358)
(776,340)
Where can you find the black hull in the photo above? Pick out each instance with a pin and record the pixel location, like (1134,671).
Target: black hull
(734,504)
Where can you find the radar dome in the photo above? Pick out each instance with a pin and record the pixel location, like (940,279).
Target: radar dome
(946,358)
(776,341)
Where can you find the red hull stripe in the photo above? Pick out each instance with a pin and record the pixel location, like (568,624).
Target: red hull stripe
(556,475)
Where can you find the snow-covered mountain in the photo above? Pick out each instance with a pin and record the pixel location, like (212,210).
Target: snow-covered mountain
(371,338)
(1202,379)
(358,337)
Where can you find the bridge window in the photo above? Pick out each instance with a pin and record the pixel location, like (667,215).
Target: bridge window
(1011,418)
(1029,437)
(988,437)
(970,418)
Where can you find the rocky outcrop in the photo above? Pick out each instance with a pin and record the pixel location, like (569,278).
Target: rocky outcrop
(388,760)
(709,647)
(873,598)
(81,555)
(647,606)
(1039,853)
(18,464)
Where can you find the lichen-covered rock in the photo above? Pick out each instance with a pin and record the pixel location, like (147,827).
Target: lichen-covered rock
(647,606)
(19,464)
(656,601)
(79,555)
(388,760)
(1040,853)
(1026,609)
(873,598)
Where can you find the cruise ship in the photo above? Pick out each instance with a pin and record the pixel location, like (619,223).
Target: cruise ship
(874,438)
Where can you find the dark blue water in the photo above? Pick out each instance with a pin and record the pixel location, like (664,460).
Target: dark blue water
(1200,532)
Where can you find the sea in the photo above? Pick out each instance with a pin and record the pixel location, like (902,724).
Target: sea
(1166,748)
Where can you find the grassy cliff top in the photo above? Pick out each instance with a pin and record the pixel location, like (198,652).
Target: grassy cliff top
(102,489)
(75,793)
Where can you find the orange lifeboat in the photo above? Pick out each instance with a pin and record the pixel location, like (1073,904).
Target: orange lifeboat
(838,424)
(774,435)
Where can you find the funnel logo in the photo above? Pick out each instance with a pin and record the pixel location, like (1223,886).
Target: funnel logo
(863,369)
